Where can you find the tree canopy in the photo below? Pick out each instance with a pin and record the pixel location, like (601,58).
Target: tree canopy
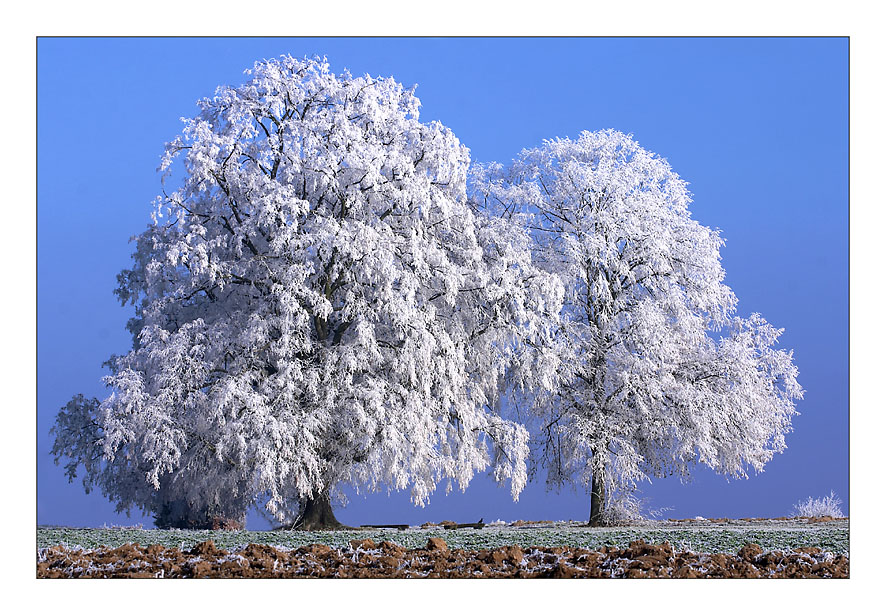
(317,303)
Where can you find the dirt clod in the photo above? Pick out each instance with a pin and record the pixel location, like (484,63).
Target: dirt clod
(437,544)
(365,544)
(750,552)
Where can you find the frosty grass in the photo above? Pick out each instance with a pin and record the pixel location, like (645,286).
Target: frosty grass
(711,538)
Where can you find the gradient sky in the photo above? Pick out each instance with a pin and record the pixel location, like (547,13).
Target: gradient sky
(758,127)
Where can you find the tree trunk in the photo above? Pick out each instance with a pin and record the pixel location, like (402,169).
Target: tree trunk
(317,515)
(598,499)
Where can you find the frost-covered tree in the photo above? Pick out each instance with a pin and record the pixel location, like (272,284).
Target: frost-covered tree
(318,303)
(656,370)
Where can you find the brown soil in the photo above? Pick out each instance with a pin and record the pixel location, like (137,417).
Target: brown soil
(366,559)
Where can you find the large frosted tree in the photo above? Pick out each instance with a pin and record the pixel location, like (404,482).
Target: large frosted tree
(317,303)
(656,371)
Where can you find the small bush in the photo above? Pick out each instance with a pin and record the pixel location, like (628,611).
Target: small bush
(624,508)
(828,506)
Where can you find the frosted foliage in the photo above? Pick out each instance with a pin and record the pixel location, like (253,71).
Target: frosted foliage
(828,506)
(317,303)
(655,370)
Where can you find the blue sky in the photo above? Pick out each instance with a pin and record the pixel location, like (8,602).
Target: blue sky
(758,127)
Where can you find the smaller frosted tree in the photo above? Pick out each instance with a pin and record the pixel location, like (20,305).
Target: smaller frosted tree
(317,303)
(656,372)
